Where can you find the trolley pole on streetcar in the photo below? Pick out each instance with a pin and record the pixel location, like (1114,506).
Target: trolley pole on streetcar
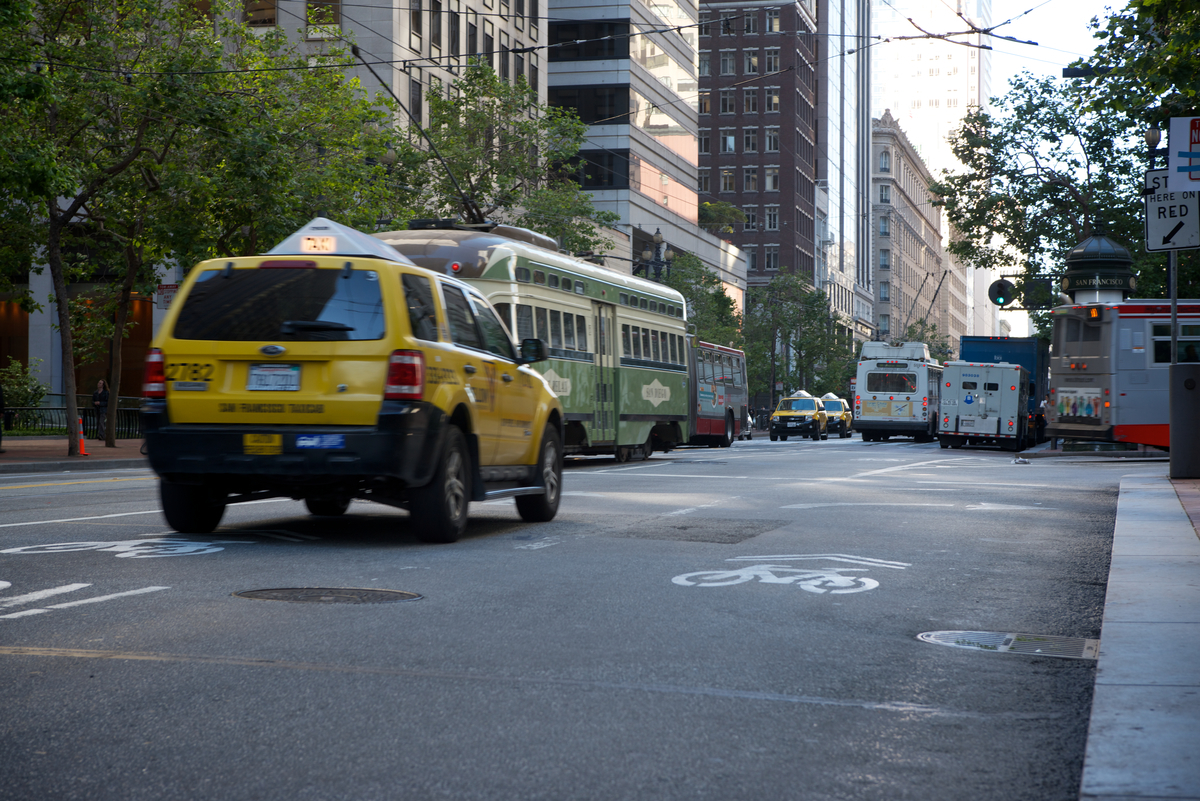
(1172,224)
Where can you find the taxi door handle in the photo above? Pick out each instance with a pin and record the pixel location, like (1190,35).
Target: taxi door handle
(469,368)
(506,377)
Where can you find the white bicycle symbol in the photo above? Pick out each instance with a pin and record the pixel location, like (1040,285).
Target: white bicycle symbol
(133,549)
(829,580)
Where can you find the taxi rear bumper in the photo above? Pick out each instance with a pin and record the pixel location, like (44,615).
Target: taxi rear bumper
(402,446)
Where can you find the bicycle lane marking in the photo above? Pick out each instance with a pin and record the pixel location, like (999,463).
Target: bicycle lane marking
(124,514)
(67,605)
(817,580)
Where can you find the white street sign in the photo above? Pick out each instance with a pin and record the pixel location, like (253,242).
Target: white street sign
(1183,156)
(1172,217)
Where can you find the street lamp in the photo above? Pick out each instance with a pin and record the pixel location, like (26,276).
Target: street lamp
(655,259)
(1153,137)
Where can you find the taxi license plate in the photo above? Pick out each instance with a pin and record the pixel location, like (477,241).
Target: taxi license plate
(262,444)
(274,378)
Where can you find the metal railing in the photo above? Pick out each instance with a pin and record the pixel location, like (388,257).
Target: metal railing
(51,420)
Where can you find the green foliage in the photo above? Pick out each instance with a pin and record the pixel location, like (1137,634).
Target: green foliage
(21,386)
(794,337)
(513,157)
(709,306)
(720,217)
(924,331)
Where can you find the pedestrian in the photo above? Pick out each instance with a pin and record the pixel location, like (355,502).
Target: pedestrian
(100,404)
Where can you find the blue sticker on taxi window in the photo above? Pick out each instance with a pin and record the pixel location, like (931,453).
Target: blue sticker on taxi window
(323,441)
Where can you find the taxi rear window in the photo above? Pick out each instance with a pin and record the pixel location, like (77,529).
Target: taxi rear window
(296,305)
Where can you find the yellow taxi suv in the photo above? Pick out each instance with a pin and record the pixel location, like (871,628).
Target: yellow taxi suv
(798,414)
(838,416)
(332,368)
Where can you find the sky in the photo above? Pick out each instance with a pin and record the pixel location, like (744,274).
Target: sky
(1060,27)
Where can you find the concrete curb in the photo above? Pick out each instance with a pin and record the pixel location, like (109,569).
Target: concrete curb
(1144,735)
(78,464)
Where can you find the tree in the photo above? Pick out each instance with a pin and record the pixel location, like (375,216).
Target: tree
(515,159)
(720,217)
(709,306)
(924,331)
(1040,175)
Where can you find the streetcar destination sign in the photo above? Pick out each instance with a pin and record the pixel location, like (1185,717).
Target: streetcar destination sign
(1172,217)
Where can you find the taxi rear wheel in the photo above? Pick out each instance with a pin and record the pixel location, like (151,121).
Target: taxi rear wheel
(542,508)
(191,508)
(439,509)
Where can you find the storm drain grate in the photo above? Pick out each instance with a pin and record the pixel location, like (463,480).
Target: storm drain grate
(329,595)
(1032,644)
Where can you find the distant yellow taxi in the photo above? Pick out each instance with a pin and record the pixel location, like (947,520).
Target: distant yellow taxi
(839,416)
(332,368)
(799,414)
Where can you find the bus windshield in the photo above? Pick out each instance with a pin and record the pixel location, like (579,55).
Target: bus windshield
(797,405)
(891,382)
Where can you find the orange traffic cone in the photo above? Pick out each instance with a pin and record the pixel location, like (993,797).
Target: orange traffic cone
(82,440)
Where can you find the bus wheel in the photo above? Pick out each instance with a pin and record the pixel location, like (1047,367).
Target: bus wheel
(727,440)
(622,453)
(648,447)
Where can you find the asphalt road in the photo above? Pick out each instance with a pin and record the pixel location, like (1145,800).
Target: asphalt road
(714,623)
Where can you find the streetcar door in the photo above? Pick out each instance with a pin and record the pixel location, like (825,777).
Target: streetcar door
(604,425)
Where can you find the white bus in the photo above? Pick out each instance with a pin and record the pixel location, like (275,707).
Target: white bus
(897,392)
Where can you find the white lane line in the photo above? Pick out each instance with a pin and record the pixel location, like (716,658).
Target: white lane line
(819,505)
(123,514)
(18,600)
(834,557)
(685,475)
(26,613)
(993,484)
(696,508)
(100,598)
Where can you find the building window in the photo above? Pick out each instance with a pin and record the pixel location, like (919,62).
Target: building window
(750,101)
(772,218)
(727,102)
(750,179)
(503,54)
(884,325)
(435,23)
(772,99)
(750,140)
(415,97)
(703,183)
(751,223)
(772,64)
(885,259)
(885,193)
(772,140)
(728,60)
(752,22)
(726,180)
(772,260)
(705,142)
(751,62)
(705,65)
(884,226)
(772,179)
(260,14)
(705,18)
(705,103)
(751,259)
(325,19)
(885,290)
(885,161)
(728,141)
(773,20)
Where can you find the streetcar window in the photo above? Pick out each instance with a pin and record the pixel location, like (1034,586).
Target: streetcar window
(525,322)
(662,341)
(646,343)
(580,333)
(568,331)
(505,312)
(679,312)
(566,284)
(624,299)
(642,303)
(674,350)
(552,282)
(970,385)
(653,306)
(580,288)
(891,382)
(637,343)
(523,274)
(633,301)
(539,277)
(1188,351)
(654,345)
(989,387)
(670,311)
(556,329)
(543,328)
(625,340)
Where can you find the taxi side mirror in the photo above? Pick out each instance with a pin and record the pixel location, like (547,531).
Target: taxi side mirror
(533,350)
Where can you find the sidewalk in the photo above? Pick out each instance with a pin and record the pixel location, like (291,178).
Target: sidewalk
(49,454)
(1144,736)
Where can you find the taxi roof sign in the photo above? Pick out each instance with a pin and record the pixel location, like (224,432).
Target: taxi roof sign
(325,237)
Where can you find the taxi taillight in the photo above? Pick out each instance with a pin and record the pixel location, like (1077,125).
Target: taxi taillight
(406,375)
(154,385)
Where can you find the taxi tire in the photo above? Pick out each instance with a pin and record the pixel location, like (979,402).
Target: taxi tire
(439,509)
(327,507)
(816,435)
(773,437)
(542,508)
(191,508)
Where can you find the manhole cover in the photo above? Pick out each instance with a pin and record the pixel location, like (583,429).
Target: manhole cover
(1032,644)
(329,595)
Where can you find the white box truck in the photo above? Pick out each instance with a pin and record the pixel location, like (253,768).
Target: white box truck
(984,404)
